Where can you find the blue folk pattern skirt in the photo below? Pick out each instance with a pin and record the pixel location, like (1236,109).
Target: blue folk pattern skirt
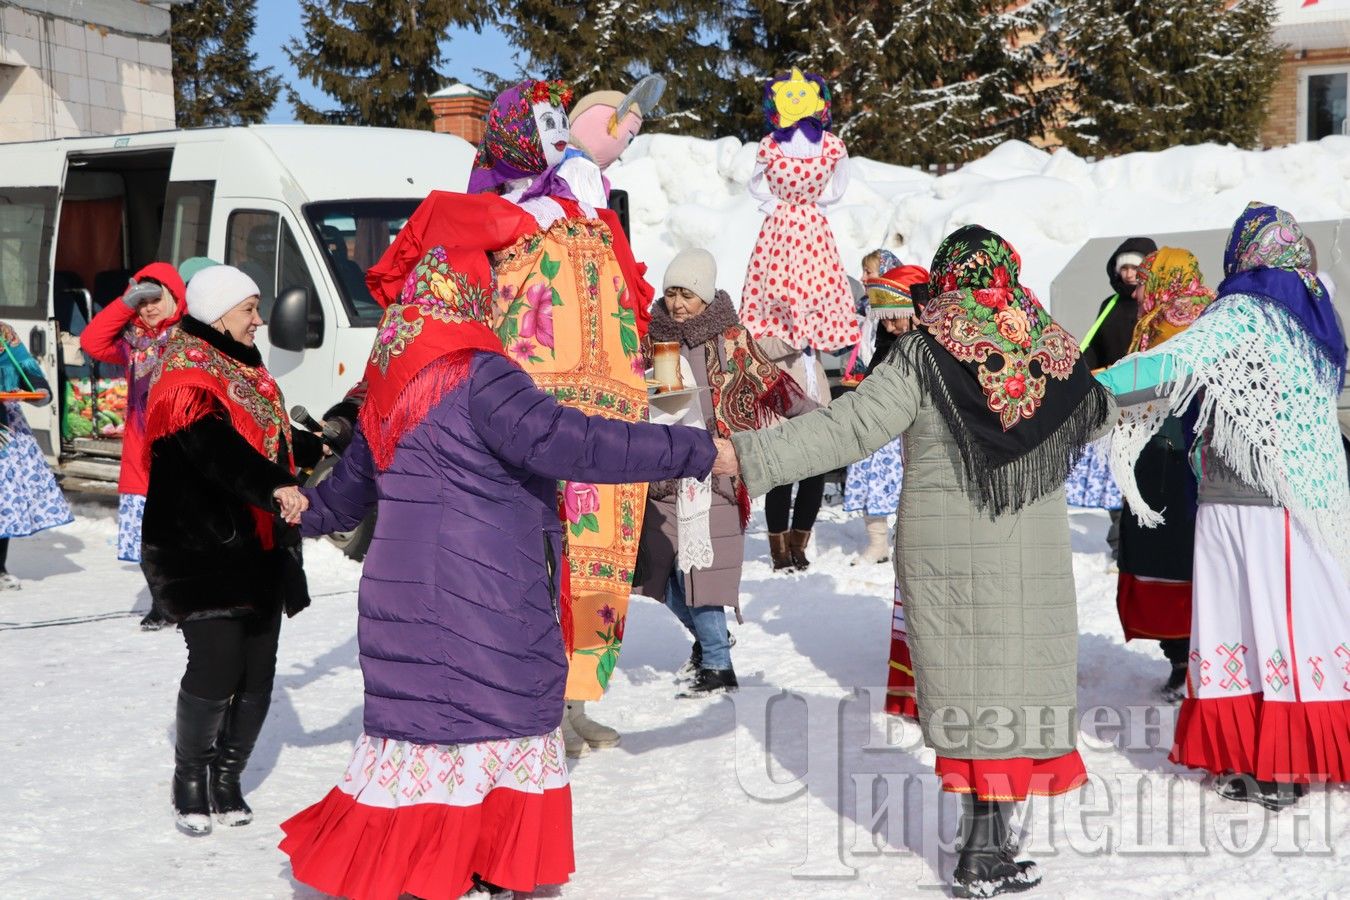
(1090,483)
(873,484)
(130,512)
(30,500)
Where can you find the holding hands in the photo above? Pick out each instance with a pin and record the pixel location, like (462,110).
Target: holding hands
(726,462)
(292,503)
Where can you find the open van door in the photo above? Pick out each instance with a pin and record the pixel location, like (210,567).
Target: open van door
(30,190)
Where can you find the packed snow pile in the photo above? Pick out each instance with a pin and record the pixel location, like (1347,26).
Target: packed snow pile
(686,192)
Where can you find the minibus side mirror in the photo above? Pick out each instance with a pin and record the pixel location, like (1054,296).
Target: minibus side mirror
(293,325)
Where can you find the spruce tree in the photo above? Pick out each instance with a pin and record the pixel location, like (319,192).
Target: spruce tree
(377,59)
(914,81)
(610,44)
(216,80)
(1145,76)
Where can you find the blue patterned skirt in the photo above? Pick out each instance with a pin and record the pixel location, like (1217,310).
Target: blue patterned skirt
(1090,483)
(130,512)
(30,500)
(873,484)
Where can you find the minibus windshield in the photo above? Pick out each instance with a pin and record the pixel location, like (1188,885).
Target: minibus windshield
(354,235)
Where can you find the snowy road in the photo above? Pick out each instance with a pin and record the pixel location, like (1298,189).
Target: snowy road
(754,798)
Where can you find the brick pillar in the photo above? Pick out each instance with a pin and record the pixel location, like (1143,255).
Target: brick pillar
(461,116)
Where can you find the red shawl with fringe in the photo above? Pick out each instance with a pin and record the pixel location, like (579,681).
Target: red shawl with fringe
(197,379)
(435,282)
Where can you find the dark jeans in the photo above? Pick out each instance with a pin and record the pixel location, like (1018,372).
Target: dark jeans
(777,502)
(227,656)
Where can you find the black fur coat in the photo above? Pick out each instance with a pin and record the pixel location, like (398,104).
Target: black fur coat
(200,549)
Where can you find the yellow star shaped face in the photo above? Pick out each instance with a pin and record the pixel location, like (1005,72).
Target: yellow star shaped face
(796,99)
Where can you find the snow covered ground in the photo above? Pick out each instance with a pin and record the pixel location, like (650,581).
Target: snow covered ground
(702,798)
(689,192)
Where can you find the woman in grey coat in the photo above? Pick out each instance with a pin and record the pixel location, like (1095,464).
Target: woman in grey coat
(740,389)
(995,407)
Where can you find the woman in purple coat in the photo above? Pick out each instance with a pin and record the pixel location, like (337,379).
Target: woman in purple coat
(458,779)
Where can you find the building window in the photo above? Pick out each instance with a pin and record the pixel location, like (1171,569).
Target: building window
(1323,102)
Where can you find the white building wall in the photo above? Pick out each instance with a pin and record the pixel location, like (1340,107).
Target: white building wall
(101,74)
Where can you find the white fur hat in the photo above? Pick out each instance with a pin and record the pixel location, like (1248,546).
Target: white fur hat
(216,290)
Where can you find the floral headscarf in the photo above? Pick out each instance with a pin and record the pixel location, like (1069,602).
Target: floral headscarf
(1268,257)
(1006,378)
(1174,296)
(510,148)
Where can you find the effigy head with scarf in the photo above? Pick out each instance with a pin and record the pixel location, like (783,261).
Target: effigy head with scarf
(526,138)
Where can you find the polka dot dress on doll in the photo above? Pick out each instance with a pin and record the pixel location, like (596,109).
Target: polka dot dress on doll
(795,286)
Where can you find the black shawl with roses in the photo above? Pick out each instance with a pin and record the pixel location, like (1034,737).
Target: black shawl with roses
(1004,376)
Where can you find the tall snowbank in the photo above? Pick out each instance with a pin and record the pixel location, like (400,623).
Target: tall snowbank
(686,192)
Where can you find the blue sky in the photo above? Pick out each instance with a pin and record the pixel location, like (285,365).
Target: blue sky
(279,21)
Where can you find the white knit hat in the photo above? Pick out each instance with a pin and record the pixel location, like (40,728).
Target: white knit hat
(216,290)
(695,270)
(1129,259)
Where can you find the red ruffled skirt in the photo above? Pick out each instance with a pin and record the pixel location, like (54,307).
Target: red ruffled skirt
(1268,688)
(1153,610)
(1012,779)
(424,819)
(1273,741)
(900,696)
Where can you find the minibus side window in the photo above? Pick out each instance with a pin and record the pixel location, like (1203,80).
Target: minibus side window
(186,229)
(27,217)
(251,245)
(294,272)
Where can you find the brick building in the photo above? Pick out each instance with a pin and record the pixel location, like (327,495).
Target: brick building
(94,67)
(460,110)
(1310,97)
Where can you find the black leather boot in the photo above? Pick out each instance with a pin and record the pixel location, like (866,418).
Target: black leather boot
(986,867)
(709,682)
(1273,795)
(240,732)
(198,723)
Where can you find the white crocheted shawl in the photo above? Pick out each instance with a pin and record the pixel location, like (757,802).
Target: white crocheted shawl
(1266,401)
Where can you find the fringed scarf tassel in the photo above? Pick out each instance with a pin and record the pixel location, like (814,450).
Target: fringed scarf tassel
(775,403)
(176,409)
(565,616)
(182,407)
(743,503)
(1000,490)
(419,395)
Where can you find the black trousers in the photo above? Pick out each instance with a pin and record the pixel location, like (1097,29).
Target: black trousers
(778,502)
(1177,650)
(4,554)
(227,656)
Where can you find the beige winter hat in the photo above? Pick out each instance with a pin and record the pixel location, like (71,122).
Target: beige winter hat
(695,270)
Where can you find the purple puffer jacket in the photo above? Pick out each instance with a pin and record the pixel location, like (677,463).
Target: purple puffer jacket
(458,624)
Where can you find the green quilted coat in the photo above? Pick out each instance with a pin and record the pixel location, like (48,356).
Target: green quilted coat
(989,601)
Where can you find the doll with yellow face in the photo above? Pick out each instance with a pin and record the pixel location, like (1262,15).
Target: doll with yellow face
(796,99)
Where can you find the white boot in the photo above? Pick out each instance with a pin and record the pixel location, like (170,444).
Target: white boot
(597,736)
(573,744)
(878,540)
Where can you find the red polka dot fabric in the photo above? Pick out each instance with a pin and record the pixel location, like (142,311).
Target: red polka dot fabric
(795,286)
